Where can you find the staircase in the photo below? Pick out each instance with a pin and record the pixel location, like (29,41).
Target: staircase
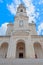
(21,61)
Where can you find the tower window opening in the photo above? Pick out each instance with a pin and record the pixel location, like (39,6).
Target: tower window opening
(21,10)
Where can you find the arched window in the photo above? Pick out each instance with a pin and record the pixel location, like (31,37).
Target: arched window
(38,50)
(3,50)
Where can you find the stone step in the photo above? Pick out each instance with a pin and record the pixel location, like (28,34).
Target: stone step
(21,61)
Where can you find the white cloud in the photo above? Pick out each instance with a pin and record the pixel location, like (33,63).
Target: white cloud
(11,8)
(31,19)
(31,10)
(40,29)
(3,29)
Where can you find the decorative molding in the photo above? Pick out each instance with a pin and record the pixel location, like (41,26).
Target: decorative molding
(20,33)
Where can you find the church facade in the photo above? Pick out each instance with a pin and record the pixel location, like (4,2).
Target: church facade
(21,39)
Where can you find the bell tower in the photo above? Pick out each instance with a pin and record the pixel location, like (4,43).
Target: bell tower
(21,18)
(21,22)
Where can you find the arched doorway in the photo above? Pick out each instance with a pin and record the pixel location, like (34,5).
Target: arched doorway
(3,50)
(38,50)
(20,49)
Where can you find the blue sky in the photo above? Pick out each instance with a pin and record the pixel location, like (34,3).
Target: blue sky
(8,11)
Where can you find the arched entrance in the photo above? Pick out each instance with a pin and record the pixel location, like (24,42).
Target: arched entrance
(3,50)
(20,49)
(38,50)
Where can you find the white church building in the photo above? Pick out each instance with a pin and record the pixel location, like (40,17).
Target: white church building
(21,39)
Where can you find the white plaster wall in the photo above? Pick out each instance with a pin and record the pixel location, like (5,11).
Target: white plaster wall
(32,28)
(4,39)
(9,29)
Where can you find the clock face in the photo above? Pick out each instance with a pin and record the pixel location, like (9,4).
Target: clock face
(21,23)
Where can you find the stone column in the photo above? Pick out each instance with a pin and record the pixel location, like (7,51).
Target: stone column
(12,49)
(29,50)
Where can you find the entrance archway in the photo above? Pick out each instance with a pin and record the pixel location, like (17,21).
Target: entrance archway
(20,49)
